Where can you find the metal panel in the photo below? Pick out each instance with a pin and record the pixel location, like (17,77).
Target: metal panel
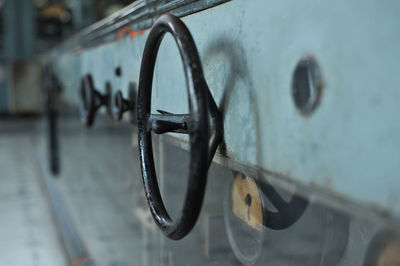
(348,147)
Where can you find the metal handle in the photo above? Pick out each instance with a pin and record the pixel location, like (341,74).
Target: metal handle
(123,105)
(92,100)
(203,124)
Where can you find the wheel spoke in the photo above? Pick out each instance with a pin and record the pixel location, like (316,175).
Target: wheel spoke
(166,122)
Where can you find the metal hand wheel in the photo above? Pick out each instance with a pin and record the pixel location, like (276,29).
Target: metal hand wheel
(203,124)
(52,90)
(123,105)
(92,100)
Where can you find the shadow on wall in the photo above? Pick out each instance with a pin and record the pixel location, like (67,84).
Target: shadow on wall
(226,72)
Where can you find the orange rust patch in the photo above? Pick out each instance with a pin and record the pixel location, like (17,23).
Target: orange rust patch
(122,32)
(133,33)
(78,260)
(126,31)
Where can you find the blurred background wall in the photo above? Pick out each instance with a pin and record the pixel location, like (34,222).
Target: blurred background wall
(29,28)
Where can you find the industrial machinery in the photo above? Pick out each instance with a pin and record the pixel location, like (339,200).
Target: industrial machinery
(278,143)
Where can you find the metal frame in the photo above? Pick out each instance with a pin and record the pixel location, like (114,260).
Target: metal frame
(140,13)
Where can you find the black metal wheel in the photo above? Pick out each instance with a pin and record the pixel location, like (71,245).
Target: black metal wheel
(203,124)
(92,100)
(52,90)
(123,105)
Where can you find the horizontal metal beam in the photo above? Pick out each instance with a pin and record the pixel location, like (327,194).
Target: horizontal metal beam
(139,15)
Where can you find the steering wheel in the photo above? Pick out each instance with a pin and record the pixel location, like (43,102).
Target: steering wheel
(203,124)
(91,100)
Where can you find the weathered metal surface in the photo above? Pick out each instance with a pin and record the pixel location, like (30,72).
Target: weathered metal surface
(349,146)
(138,15)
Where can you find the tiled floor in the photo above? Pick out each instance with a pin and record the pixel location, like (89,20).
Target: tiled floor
(28,235)
(102,215)
(100,188)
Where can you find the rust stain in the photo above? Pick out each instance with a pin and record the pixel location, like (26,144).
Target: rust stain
(121,33)
(127,31)
(132,34)
(78,260)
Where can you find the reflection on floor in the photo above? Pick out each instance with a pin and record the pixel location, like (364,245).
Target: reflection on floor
(100,193)
(28,235)
(86,215)
(101,213)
